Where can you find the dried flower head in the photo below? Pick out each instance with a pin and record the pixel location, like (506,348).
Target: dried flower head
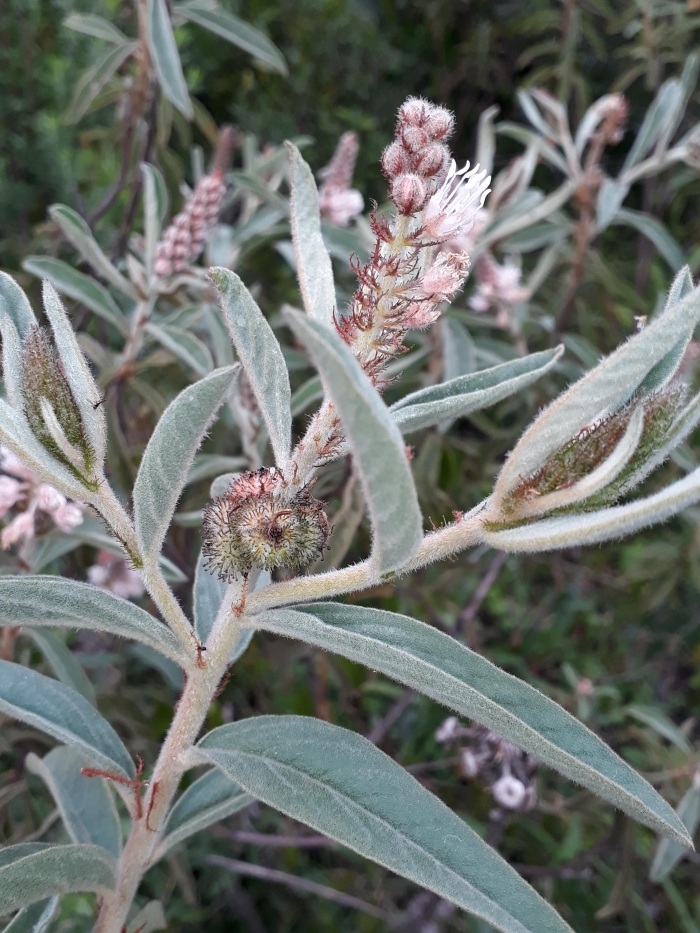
(184,239)
(257,523)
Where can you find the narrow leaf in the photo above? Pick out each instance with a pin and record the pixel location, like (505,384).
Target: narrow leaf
(262,359)
(465,394)
(376,443)
(34,919)
(94,78)
(63,662)
(669,852)
(86,804)
(419,656)
(149,918)
(661,724)
(92,25)
(15,304)
(237,32)
(169,455)
(79,234)
(661,111)
(62,713)
(166,59)
(184,345)
(11,362)
(611,195)
(343,786)
(32,871)
(78,286)
(211,798)
(655,231)
(314,267)
(152,183)
(207,465)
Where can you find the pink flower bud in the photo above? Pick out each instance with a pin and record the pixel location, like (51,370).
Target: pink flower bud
(395,160)
(433,160)
(439,124)
(11,491)
(414,112)
(68,517)
(48,499)
(414,138)
(408,193)
(20,527)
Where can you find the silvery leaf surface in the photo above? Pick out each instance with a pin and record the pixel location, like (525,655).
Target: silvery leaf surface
(86,804)
(11,362)
(655,231)
(669,853)
(261,356)
(152,209)
(15,304)
(169,455)
(314,267)
(92,25)
(377,446)
(94,78)
(190,349)
(236,31)
(79,234)
(62,662)
(419,656)
(32,871)
(166,58)
(344,787)
(34,919)
(64,714)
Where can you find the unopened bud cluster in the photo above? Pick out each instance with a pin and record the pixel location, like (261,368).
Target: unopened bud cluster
(258,524)
(506,770)
(184,239)
(338,202)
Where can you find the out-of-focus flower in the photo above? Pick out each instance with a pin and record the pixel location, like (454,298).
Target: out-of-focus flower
(339,203)
(113,573)
(453,208)
(184,239)
(613,110)
(498,285)
(23,488)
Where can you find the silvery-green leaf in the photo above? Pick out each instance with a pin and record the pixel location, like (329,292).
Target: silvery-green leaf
(11,362)
(94,78)
(152,209)
(162,475)
(458,350)
(15,304)
(63,662)
(486,138)
(79,234)
(604,389)
(261,357)
(207,596)
(92,25)
(35,918)
(81,287)
(258,187)
(655,231)
(184,345)
(149,918)
(61,603)
(221,484)
(343,786)
(593,527)
(669,853)
(460,396)
(525,136)
(377,446)
(83,386)
(309,392)
(683,425)
(532,112)
(32,871)
(419,656)
(314,268)
(166,59)
(62,713)
(661,111)
(237,32)
(207,465)
(86,804)
(211,798)
(661,724)
(172,672)
(611,195)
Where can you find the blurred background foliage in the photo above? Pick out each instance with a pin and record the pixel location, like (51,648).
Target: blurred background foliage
(612,633)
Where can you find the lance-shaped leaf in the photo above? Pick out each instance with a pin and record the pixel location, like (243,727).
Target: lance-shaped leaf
(86,804)
(236,31)
(169,455)
(380,455)
(92,25)
(59,602)
(653,230)
(95,77)
(79,234)
(261,357)
(207,596)
(81,287)
(314,267)
(669,852)
(63,662)
(11,362)
(184,345)
(32,871)
(465,394)
(15,304)
(433,663)
(211,798)
(62,713)
(343,786)
(34,919)
(166,59)
(149,918)
(605,389)
(153,184)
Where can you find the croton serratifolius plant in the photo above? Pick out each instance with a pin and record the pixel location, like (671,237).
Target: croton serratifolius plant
(560,486)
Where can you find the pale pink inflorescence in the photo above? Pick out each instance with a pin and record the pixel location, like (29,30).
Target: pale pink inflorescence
(19,486)
(498,286)
(184,239)
(453,208)
(339,203)
(113,573)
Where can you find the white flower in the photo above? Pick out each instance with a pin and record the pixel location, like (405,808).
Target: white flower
(509,792)
(451,211)
(448,731)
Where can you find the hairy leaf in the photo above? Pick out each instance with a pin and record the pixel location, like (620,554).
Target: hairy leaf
(15,304)
(79,234)
(34,919)
(94,78)
(190,349)
(669,852)
(63,662)
(237,32)
(166,59)
(92,25)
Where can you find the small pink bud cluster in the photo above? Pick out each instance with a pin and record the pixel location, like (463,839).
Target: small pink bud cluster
(39,502)
(499,286)
(184,239)
(416,162)
(339,203)
(113,573)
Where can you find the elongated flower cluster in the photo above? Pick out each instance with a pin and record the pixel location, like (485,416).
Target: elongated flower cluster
(339,203)
(184,239)
(39,507)
(410,273)
(255,524)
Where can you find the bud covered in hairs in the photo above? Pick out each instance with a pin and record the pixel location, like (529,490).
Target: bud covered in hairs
(43,377)
(184,239)
(256,525)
